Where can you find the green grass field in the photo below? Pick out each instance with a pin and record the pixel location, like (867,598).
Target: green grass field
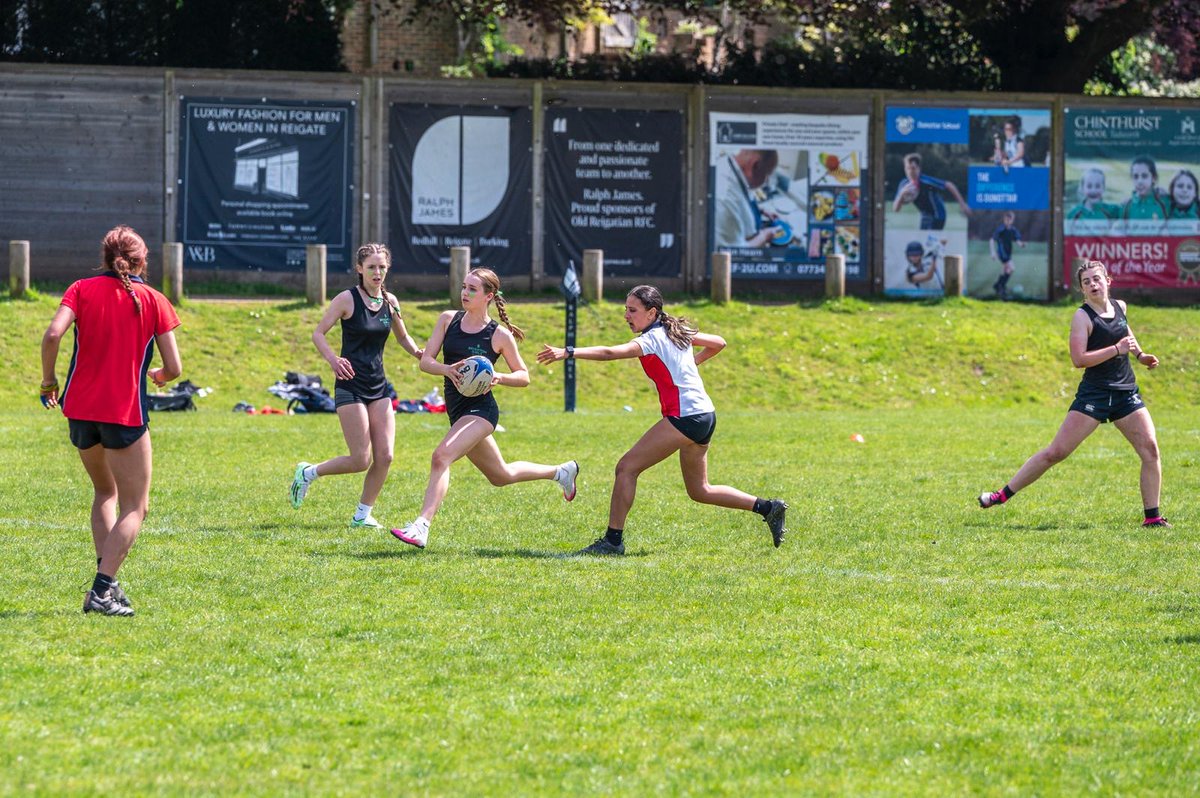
(901,642)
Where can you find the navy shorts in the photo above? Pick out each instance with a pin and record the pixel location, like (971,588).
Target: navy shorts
(86,434)
(1106,405)
(484,407)
(698,429)
(341,397)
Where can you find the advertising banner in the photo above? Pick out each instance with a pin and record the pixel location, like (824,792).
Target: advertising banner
(787,190)
(261,179)
(613,183)
(973,182)
(460,176)
(1130,195)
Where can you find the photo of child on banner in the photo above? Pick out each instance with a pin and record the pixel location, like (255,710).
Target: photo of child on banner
(1130,188)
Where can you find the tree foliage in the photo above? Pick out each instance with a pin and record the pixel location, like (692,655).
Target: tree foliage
(1010,45)
(243,34)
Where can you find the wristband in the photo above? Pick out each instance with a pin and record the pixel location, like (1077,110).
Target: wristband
(51,388)
(570,351)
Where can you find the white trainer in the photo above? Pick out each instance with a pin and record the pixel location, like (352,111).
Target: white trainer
(369,523)
(414,534)
(565,476)
(300,485)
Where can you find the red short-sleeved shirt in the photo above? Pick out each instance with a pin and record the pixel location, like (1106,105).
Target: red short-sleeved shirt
(113,346)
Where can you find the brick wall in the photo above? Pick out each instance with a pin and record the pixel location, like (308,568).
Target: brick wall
(416,50)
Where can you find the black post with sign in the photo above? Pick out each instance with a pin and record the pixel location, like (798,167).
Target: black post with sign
(571,290)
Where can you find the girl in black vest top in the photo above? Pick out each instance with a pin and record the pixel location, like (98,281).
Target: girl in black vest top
(368,315)
(1101,342)
(458,335)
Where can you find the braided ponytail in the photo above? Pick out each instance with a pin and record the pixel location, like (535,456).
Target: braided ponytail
(125,281)
(491,285)
(124,252)
(517,332)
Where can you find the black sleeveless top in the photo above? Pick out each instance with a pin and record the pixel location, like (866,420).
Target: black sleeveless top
(363,337)
(459,345)
(1114,374)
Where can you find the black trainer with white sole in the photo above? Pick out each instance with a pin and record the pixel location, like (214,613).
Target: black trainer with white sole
(775,521)
(602,548)
(105,605)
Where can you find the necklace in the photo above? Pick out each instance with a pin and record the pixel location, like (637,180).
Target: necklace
(374,300)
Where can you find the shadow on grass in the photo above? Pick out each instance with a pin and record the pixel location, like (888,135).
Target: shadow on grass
(531,554)
(1040,526)
(1184,640)
(374,554)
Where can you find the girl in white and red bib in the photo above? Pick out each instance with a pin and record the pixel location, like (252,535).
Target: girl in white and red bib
(665,346)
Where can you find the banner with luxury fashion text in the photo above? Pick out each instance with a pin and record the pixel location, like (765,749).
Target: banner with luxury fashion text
(460,176)
(259,180)
(786,190)
(1130,195)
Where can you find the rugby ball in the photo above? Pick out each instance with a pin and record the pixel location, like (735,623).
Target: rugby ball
(476,374)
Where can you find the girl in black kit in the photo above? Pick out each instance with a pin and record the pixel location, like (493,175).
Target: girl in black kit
(459,335)
(1100,344)
(368,314)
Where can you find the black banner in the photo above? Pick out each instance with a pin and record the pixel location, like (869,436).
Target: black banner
(460,176)
(260,179)
(613,183)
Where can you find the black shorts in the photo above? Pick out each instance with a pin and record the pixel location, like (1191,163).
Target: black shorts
(86,434)
(342,396)
(1106,405)
(484,407)
(698,429)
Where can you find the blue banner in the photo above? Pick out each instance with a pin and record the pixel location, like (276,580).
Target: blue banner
(1008,189)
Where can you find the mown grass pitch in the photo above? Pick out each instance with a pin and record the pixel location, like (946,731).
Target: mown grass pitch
(901,642)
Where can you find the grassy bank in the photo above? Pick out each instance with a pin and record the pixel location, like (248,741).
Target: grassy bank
(957,353)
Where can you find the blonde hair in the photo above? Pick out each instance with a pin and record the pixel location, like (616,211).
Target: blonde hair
(491,285)
(1088,264)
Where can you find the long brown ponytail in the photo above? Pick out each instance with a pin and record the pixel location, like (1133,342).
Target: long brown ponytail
(491,285)
(124,252)
(678,329)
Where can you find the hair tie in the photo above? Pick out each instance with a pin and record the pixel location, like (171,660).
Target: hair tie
(499,293)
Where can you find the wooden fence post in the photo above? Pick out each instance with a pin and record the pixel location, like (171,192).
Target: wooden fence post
(460,264)
(18,268)
(953,264)
(835,276)
(722,280)
(173,272)
(593,275)
(314,272)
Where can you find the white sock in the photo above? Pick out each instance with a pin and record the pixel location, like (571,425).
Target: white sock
(363,511)
(310,473)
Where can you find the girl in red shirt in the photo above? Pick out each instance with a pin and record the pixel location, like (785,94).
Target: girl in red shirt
(117,319)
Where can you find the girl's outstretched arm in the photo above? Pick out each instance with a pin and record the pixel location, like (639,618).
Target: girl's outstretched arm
(550,354)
